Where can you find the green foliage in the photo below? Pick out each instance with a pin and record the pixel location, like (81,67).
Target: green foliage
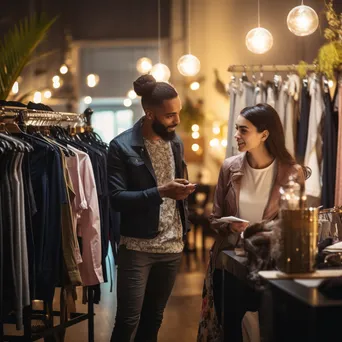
(329,58)
(302,69)
(191,114)
(330,54)
(17,47)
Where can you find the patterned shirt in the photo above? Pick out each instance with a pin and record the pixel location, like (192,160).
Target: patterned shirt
(169,239)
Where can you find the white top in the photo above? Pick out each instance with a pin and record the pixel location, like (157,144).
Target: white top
(254,192)
(313,183)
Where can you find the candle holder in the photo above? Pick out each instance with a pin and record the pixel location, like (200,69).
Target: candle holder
(299,231)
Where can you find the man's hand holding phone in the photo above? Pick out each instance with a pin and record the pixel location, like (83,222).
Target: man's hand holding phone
(177,189)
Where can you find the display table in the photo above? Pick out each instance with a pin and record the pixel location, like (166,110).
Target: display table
(298,310)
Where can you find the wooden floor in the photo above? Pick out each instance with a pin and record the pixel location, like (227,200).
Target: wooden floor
(181,316)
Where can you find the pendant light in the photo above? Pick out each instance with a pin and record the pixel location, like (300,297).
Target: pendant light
(144,65)
(302,20)
(189,65)
(160,71)
(259,40)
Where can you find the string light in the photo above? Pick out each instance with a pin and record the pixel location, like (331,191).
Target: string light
(15,88)
(88,100)
(47,94)
(195,128)
(63,69)
(127,102)
(224,142)
(37,97)
(195,147)
(132,94)
(195,135)
(194,86)
(214,142)
(92,80)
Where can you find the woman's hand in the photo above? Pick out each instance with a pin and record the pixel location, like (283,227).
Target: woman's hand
(238,227)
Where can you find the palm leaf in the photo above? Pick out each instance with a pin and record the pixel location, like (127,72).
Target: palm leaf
(17,47)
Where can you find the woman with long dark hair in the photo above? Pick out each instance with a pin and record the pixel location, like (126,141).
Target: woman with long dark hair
(248,187)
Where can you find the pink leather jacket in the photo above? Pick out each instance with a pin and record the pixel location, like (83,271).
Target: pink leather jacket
(226,199)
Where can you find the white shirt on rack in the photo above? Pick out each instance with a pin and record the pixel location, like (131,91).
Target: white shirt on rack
(254,192)
(313,183)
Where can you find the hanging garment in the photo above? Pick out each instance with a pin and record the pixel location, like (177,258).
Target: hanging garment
(244,98)
(231,124)
(292,113)
(281,102)
(338,188)
(260,93)
(89,226)
(313,183)
(50,192)
(270,98)
(329,152)
(302,136)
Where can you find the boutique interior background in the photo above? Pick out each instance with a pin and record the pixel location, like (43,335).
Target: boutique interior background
(105,40)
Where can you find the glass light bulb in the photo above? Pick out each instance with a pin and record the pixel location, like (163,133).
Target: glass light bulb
(259,40)
(195,128)
(63,69)
(55,79)
(37,97)
(144,65)
(92,80)
(195,135)
(188,65)
(15,88)
(161,72)
(302,20)
(194,86)
(195,147)
(132,94)
(47,94)
(88,100)
(127,102)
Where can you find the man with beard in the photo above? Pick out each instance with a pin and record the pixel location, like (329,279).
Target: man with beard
(148,186)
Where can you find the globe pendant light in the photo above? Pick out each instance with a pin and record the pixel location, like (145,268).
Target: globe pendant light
(259,40)
(161,72)
(189,65)
(144,65)
(302,20)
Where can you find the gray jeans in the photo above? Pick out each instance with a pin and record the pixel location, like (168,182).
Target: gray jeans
(144,284)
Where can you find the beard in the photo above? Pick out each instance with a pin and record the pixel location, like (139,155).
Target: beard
(162,131)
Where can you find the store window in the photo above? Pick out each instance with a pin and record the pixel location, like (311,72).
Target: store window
(108,124)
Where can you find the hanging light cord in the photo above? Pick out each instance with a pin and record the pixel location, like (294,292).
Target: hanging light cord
(302,2)
(159,33)
(258,13)
(189,8)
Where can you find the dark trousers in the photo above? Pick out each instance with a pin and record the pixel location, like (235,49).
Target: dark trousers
(238,298)
(144,284)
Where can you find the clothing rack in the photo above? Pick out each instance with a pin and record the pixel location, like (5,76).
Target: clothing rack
(268,68)
(20,116)
(23,114)
(331,210)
